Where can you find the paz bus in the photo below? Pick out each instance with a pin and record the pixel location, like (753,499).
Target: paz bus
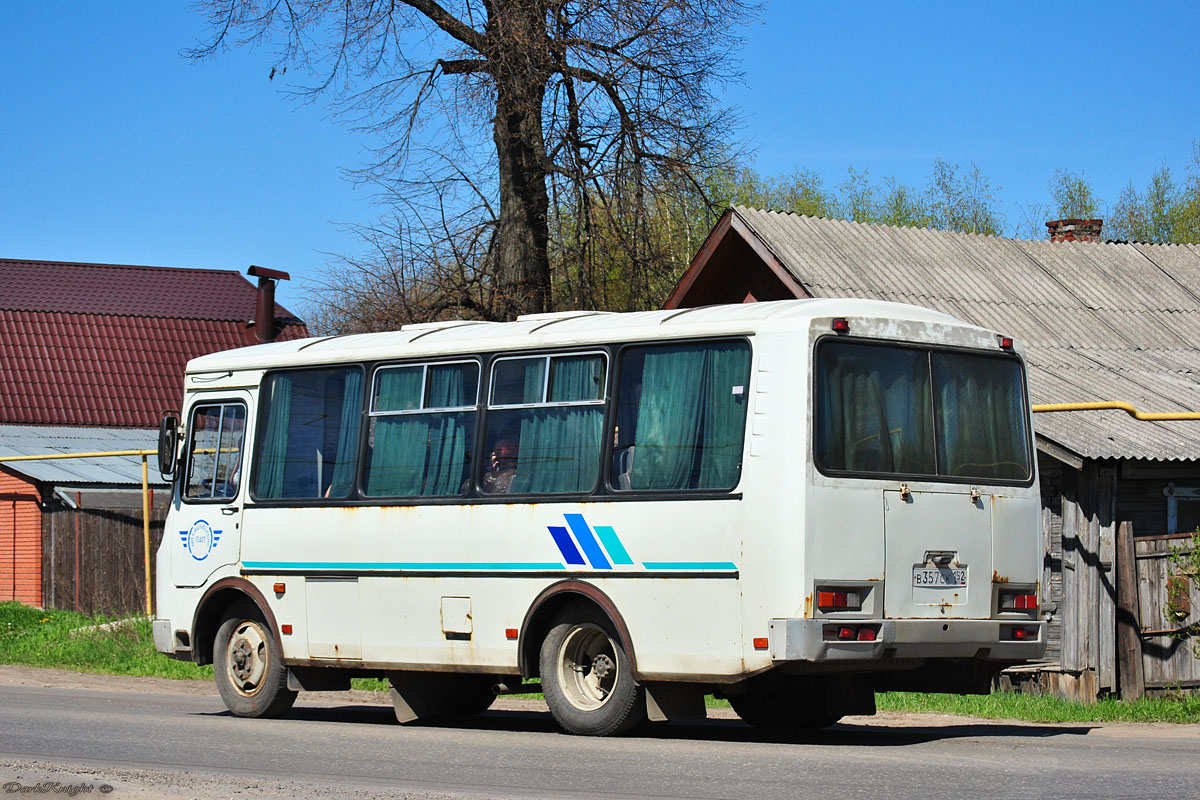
(789,504)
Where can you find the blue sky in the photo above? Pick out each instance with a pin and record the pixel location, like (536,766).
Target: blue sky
(114,148)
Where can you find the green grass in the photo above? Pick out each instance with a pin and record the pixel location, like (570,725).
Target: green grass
(1182,708)
(66,640)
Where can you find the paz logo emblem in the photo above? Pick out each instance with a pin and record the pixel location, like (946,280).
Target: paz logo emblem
(200,539)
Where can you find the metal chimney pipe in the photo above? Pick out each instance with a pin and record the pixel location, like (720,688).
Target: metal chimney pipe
(264,305)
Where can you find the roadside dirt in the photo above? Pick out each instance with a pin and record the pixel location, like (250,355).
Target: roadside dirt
(65,679)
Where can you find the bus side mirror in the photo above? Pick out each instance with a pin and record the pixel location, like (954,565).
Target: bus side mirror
(168,444)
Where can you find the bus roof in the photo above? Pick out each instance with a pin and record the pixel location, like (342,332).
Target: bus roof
(562,329)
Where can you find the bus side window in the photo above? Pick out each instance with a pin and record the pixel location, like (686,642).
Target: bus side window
(422,430)
(545,424)
(308,436)
(681,416)
(215,451)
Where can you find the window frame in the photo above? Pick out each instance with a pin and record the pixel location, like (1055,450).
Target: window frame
(260,429)
(612,491)
(1190,494)
(189,451)
(488,408)
(371,414)
(928,349)
(548,358)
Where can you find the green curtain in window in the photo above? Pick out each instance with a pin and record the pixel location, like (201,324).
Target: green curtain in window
(398,389)
(725,370)
(535,375)
(980,418)
(451,434)
(346,451)
(559,449)
(577,378)
(690,422)
(856,426)
(272,451)
(397,459)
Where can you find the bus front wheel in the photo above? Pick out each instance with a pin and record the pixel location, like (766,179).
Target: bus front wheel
(586,675)
(248,666)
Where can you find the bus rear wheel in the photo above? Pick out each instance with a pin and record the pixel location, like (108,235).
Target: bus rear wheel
(248,666)
(784,704)
(586,676)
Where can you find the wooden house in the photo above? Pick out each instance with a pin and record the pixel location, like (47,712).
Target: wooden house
(90,355)
(1102,321)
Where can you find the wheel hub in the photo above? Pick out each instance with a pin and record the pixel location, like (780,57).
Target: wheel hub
(243,659)
(602,665)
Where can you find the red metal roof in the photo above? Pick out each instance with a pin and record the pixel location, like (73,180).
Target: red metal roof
(106,345)
(127,290)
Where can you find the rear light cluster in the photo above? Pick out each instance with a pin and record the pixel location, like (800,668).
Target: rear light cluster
(1017,633)
(850,633)
(835,600)
(1018,602)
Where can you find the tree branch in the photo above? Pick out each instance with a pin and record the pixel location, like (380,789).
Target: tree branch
(449,23)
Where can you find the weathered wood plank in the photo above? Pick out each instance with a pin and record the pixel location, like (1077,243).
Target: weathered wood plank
(1129,643)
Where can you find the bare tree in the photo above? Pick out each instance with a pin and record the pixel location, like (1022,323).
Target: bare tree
(593,94)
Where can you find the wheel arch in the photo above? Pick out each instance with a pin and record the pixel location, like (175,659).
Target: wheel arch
(546,606)
(211,609)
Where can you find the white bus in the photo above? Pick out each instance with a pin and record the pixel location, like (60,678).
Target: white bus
(789,504)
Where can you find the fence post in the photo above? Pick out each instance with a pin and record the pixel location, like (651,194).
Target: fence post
(146,529)
(1129,641)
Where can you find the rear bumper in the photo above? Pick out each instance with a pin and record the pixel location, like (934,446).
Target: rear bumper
(804,640)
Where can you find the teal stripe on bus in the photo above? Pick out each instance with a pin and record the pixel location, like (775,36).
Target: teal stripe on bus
(690,565)
(406,565)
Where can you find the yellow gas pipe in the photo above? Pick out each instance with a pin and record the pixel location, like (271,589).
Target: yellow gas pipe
(1117,405)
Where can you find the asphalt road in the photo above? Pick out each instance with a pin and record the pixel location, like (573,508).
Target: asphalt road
(160,741)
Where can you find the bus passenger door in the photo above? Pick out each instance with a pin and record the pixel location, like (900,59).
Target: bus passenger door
(206,533)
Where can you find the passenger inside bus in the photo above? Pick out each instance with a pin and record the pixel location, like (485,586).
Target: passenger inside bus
(501,467)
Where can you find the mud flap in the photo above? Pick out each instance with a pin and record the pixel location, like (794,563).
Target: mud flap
(673,702)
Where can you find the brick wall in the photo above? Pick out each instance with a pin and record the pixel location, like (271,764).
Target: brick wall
(20,540)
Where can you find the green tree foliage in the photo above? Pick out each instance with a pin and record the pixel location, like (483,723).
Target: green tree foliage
(1073,196)
(1165,211)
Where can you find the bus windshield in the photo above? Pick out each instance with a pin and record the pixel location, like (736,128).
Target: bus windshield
(892,410)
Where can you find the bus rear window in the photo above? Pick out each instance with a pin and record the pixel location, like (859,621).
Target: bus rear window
(888,410)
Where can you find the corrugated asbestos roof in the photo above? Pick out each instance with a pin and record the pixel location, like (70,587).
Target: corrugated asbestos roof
(106,345)
(28,440)
(1111,321)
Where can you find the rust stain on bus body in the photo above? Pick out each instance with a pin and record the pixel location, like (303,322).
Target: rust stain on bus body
(998,578)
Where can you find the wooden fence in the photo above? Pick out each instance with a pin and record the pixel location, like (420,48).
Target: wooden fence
(93,555)
(1167,658)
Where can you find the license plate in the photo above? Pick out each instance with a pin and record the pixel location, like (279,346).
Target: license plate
(928,576)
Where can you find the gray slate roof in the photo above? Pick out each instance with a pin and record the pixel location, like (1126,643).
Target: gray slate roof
(1100,321)
(28,440)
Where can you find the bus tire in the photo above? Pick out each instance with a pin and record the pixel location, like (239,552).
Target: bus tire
(248,665)
(795,704)
(586,675)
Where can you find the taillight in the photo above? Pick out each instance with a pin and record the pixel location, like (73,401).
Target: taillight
(850,633)
(838,599)
(1017,633)
(1011,601)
